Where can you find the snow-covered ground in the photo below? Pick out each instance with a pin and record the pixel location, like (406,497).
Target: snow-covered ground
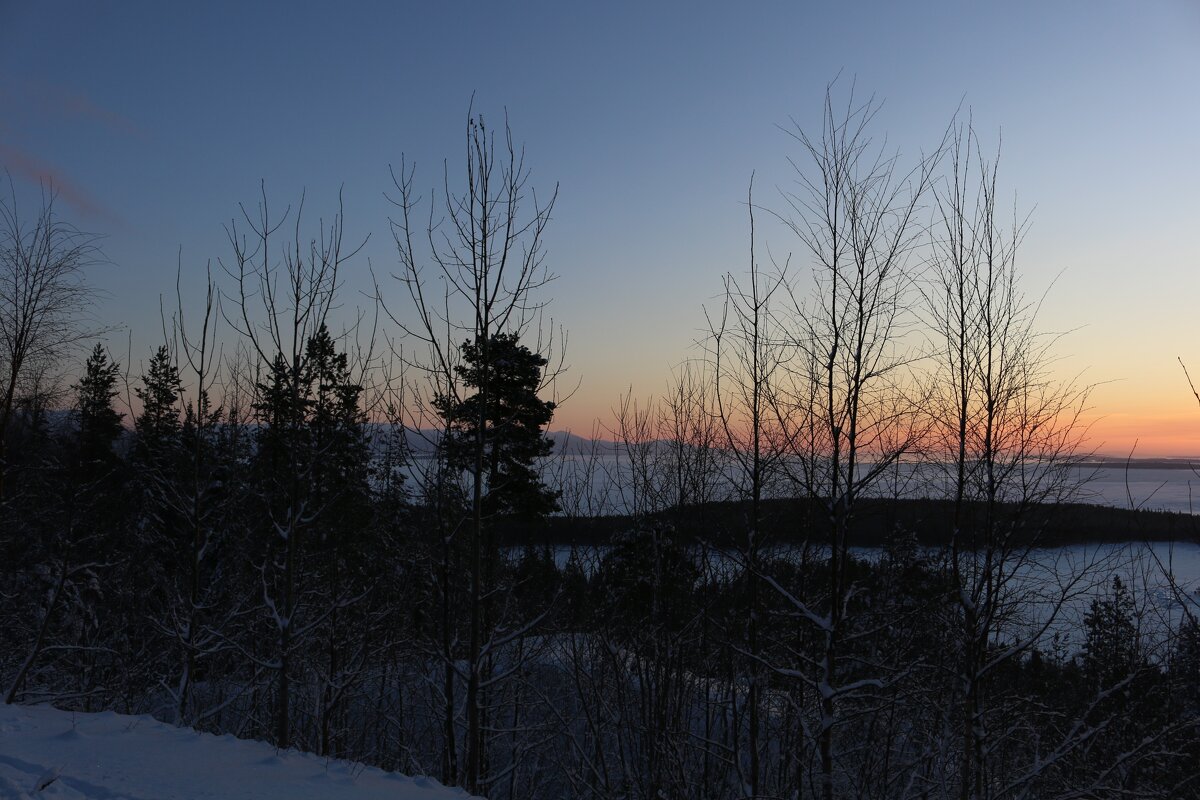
(47,753)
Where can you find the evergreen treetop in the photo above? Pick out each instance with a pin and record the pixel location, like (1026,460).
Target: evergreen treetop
(509,375)
(99,422)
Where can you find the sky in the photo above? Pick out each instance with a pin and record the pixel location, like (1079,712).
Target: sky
(155,120)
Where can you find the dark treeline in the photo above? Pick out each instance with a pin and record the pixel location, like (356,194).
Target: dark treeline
(721,524)
(251,546)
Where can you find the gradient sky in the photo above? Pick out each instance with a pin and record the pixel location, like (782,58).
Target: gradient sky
(157,119)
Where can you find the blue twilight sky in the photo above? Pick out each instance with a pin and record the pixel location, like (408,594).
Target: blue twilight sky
(157,119)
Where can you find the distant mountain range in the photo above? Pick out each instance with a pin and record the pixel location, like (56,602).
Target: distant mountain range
(425,441)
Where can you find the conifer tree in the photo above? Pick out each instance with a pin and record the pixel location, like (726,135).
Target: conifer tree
(341,499)
(1111,650)
(335,419)
(158,424)
(514,419)
(312,466)
(99,422)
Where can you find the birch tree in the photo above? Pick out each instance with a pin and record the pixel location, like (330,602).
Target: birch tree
(473,272)
(748,349)
(848,412)
(1009,437)
(282,299)
(44,297)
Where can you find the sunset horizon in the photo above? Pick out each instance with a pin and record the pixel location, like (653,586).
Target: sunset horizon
(540,400)
(1121,333)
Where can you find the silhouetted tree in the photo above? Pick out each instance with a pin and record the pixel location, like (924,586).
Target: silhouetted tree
(489,253)
(847,410)
(43,297)
(81,535)
(282,303)
(514,418)
(158,425)
(748,350)
(1003,431)
(99,422)
(1111,650)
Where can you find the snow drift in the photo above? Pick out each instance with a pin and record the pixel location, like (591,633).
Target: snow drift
(47,753)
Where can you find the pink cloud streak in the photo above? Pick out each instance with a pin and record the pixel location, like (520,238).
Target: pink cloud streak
(36,171)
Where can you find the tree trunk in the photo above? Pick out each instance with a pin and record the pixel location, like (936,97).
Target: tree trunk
(14,690)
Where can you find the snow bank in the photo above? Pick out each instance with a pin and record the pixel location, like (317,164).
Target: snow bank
(47,753)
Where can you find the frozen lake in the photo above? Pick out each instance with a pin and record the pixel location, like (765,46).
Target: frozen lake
(609,484)
(1150,488)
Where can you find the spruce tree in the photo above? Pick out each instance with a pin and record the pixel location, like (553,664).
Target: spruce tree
(336,423)
(340,494)
(158,425)
(312,468)
(99,422)
(1111,650)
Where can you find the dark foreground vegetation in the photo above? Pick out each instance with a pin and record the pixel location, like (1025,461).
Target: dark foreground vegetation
(614,671)
(262,554)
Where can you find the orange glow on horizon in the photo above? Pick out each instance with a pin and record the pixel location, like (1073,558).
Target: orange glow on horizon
(1169,431)
(1147,436)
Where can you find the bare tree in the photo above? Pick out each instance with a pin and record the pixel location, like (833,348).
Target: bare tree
(1011,437)
(485,246)
(636,473)
(665,453)
(282,301)
(747,351)
(43,298)
(691,429)
(189,490)
(848,411)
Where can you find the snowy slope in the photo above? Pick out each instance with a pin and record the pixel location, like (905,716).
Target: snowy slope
(114,757)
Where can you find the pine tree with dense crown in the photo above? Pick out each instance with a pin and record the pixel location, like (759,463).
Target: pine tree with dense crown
(513,429)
